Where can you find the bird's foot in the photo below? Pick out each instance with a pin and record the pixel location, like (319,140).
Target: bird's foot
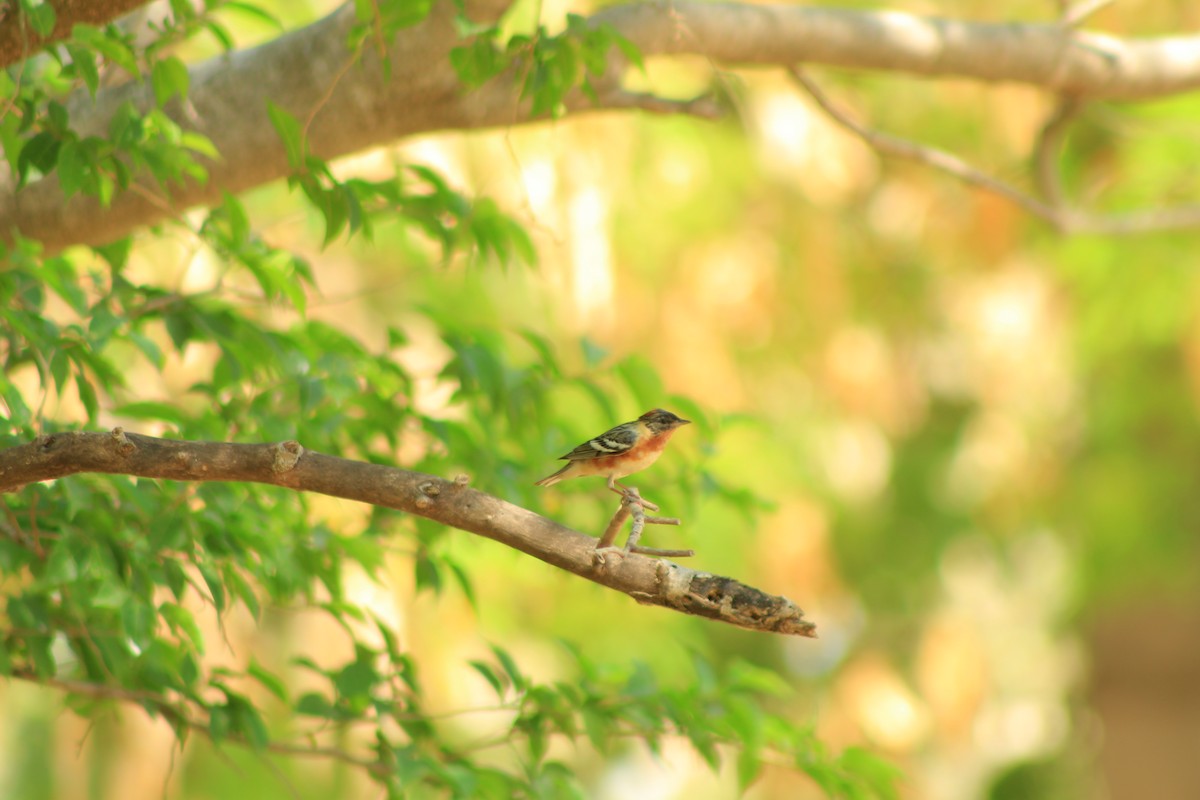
(602,555)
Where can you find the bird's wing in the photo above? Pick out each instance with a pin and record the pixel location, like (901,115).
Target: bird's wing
(610,443)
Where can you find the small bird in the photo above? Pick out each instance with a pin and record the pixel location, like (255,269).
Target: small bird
(621,451)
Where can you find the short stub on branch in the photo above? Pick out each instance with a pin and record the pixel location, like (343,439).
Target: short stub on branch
(634,506)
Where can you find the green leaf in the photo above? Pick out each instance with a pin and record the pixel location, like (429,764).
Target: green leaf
(490,675)
(44,664)
(213,580)
(749,767)
(148,348)
(643,381)
(199,143)
(111,47)
(599,726)
(116,253)
(244,719)
(182,620)
(510,667)
(175,577)
(744,675)
(6,664)
(169,77)
(292,135)
(219,722)
(220,33)
(85,66)
(315,705)
(254,12)
(427,574)
(627,48)
(40,153)
(74,168)
(150,409)
(138,620)
(60,568)
(270,681)
(42,18)
(357,678)
(880,775)
(478,61)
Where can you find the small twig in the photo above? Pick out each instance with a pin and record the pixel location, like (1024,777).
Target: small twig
(614,527)
(704,106)
(634,505)
(1074,15)
(659,553)
(930,156)
(1065,220)
(1046,151)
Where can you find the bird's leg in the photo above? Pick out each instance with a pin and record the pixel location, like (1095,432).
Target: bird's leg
(632,505)
(629,493)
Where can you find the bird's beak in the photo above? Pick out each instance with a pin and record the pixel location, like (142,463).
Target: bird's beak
(683,422)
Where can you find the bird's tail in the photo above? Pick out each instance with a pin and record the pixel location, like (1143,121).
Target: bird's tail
(550,480)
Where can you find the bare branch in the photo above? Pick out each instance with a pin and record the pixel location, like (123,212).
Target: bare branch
(1074,15)
(1064,219)
(452,503)
(1047,55)
(929,156)
(703,107)
(1046,151)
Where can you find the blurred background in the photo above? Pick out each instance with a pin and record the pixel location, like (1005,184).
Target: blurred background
(965,445)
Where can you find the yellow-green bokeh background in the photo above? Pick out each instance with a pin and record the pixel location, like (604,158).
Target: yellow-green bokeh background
(978,438)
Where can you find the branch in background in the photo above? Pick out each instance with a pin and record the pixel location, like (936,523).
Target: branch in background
(228,95)
(1048,55)
(1074,15)
(19,40)
(1053,211)
(704,106)
(451,503)
(1049,143)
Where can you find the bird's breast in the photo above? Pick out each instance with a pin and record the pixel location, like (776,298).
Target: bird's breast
(638,458)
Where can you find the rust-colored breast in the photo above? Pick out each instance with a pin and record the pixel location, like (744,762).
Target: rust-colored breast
(636,458)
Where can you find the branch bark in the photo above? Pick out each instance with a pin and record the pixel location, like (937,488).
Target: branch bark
(348,110)
(452,503)
(18,40)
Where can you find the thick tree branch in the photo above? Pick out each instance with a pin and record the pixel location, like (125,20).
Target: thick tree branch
(452,503)
(305,72)
(18,40)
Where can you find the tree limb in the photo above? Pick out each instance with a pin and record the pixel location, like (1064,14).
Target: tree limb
(18,40)
(305,72)
(451,503)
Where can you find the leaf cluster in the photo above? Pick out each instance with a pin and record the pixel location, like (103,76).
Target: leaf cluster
(548,66)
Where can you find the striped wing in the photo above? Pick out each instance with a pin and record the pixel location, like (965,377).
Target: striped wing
(610,443)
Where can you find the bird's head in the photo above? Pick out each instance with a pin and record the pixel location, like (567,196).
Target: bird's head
(661,421)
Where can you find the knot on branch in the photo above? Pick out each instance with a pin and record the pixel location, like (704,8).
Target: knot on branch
(428,491)
(286,456)
(123,445)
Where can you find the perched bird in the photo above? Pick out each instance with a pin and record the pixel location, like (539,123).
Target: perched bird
(621,451)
